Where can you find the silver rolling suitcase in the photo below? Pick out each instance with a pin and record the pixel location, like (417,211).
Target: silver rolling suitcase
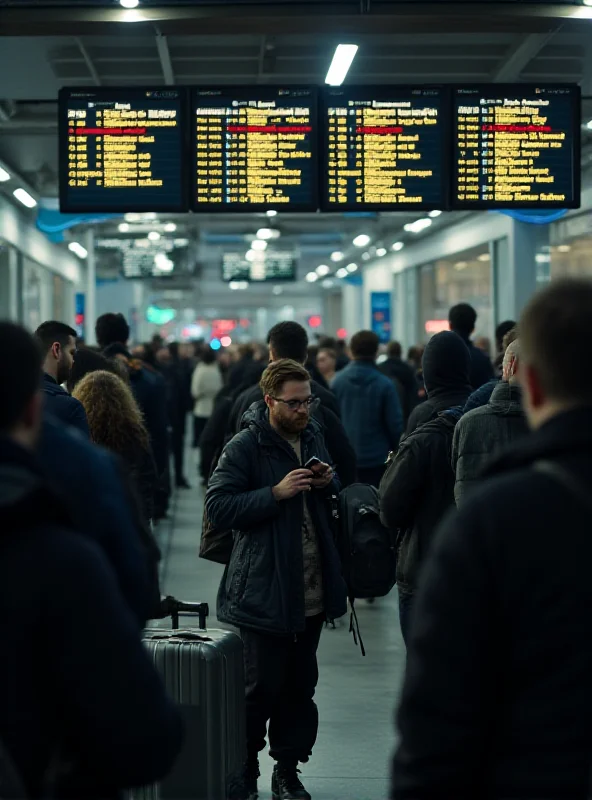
(203,671)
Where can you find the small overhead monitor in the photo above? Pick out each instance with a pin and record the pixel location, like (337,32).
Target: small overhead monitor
(516,146)
(384,148)
(274,265)
(122,150)
(255,148)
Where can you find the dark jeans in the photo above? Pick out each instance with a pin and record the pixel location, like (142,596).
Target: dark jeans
(281,676)
(405,608)
(371,475)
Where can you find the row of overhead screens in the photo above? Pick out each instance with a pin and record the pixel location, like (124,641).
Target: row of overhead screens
(359,148)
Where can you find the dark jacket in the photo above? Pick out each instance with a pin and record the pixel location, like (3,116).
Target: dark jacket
(405,382)
(244,373)
(481,396)
(62,406)
(104,509)
(343,456)
(142,472)
(263,586)
(416,492)
(446,369)
(482,433)
(370,410)
(497,699)
(481,366)
(75,680)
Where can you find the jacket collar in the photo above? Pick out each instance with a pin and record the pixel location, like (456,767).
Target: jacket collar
(506,398)
(47,378)
(568,433)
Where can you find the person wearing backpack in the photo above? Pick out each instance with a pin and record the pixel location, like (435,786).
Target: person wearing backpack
(418,486)
(284,577)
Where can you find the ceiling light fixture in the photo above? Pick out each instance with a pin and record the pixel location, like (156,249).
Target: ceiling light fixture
(4,176)
(589,124)
(132,217)
(418,226)
(258,244)
(328,283)
(352,267)
(588,2)
(434,214)
(266,233)
(461,265)
(239,286)
(381,251)
(312,277)
(170,227)
(277,290)
(365,256)
(396,246)
(78,249)
(361,240)
(123,227)
(337,256)
(564,248)
(163,263)
(342,60)
(250,255)
(154,236)
(323,270)
(25,198)
(129,3)
(271,213)
(484,257)
(342,273)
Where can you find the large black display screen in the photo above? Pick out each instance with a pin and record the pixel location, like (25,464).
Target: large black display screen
(255,148)
(384,148)
(516,146)
(122,150)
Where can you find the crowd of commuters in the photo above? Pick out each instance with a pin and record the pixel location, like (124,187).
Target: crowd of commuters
(482,466)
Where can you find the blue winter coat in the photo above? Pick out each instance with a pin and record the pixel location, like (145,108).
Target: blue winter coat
(62,406)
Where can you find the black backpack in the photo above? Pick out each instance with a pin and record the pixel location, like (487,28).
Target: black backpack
(366,547)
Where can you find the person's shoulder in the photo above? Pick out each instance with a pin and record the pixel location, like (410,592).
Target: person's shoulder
(474,415)
(324,395)
(502,499)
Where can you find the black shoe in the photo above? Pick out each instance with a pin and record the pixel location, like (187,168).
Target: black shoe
(286,785)
(183,484)
(246,787)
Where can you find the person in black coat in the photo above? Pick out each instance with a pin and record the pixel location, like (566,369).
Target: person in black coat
(418,487)
(284,576)
(497,698)
(462,319)
(403,377)
(66,709)
(58,345)
(289,340)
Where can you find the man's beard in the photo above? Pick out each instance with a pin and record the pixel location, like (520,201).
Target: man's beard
(293,424)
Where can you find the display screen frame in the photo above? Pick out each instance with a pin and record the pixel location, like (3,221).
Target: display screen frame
(246,91)
(327,92)
(171,208)
(524,88)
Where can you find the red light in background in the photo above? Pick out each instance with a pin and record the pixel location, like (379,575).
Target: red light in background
(244,323)
(342,333)
(315,321)
(437,326)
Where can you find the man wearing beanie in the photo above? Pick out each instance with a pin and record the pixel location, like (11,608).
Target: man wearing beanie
(418,486)
(446,380)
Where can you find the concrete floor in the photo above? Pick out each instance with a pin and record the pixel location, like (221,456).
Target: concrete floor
(356,696)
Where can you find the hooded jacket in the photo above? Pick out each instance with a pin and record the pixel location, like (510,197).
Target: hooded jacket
(370,410)
(263,585)
(62,618)
(446,373)
(62,406)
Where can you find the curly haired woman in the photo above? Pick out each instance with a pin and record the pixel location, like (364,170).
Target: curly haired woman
(115,422)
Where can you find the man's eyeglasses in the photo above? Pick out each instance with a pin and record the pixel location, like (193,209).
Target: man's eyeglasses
(295,405)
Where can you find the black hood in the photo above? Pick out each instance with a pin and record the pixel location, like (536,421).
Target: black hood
(446,364)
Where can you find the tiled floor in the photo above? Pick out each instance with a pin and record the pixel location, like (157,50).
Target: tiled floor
(356,696)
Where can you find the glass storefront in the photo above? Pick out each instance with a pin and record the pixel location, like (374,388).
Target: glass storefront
(462,278)
(571,247)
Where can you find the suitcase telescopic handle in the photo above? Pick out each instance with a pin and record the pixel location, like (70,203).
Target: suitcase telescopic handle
(173,608)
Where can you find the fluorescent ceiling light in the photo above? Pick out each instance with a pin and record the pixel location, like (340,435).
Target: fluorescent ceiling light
(342,61)
(251,255)
(277,290)
(396,246)
(365,256)
(328,283)
(484,257)
(342,273)
(271,213)
(434,214)
(4,176)
(381,252)
(258,244)
(589,124)
(564,248)
(129,3)
(267,233)
(25,198)
(588,2)
(361,240)
(163,262)
(78,249)
(123,227)
(418,226)
(170,227)
(461,265)
(323,270)
(154,236)
(337,256)
(352,267)
(132,217)
(312,277)
(239,286)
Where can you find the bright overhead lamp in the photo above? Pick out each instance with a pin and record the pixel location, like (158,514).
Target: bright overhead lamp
(250,255)
(396,246)
(123,227)
(564,248)
(323,270)
(267,233)
(361,240)
(337,256)
(132,216)
(170,227)
(78,249)
(4,176)
(381,252)
(163,262)
(434,214)
(588,2)
(589,124)
(352,267)
(342,60)
(366,256)
(258,244)
(311,277)
(129,3)
(328,283)
(239,286)
(461,265)
(154,236)
(484,257)
(25,198)
(271,213)
(418,226)
(342,273)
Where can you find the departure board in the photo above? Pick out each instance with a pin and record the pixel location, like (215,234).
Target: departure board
(273,265)
(516,146)
(122,150)
(255,148)
(384,148)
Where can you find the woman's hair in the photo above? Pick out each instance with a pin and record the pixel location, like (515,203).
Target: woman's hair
(85,361)
(114,419)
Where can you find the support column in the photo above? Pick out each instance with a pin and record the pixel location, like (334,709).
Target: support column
(352,308)
(519,266)
(91,288)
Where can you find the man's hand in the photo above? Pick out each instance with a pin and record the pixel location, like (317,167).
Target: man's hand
(323,475)
(299,480)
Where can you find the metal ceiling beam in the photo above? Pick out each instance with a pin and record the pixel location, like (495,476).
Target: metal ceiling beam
(165,59)
(88,61)
(520,55)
